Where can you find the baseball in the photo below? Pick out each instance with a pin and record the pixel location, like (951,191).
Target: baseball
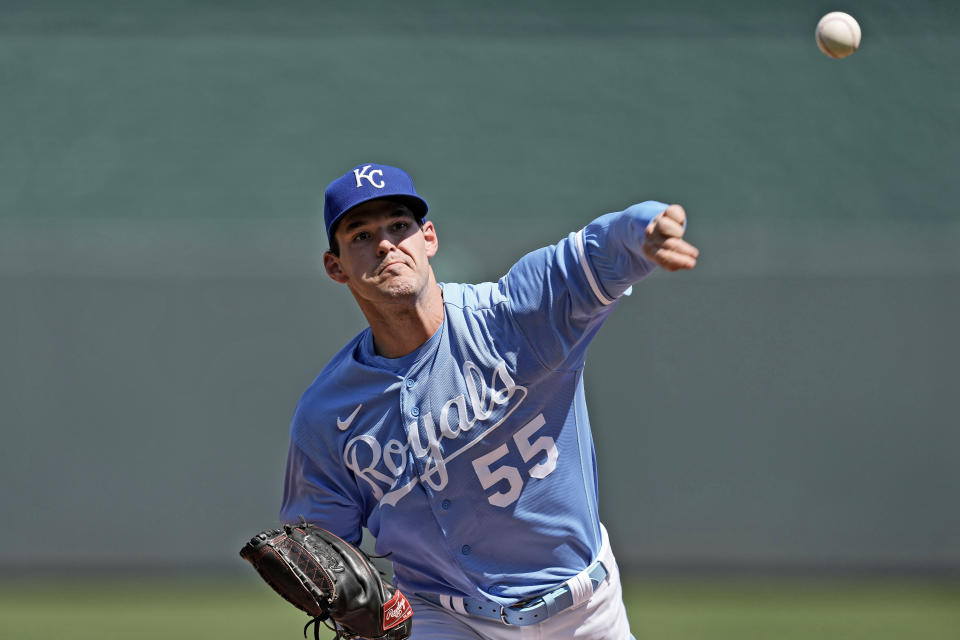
(838,34)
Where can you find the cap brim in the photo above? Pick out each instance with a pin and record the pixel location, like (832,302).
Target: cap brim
(417,206)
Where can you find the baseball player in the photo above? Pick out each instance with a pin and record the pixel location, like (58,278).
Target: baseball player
(455,427)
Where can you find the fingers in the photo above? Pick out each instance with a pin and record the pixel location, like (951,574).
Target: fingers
(676,213)
(681,246)
(664,244)
(669,223)
(673,254)
(665,228)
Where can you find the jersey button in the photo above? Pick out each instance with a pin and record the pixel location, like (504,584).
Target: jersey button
(415,412)
(445,505)
(465,549)
(410,382)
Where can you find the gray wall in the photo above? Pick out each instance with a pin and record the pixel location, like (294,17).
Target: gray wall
(791,403)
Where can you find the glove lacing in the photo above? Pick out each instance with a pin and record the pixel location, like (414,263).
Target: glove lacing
(340,634)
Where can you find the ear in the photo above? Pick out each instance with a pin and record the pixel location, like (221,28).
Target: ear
(332,264)
(430,238)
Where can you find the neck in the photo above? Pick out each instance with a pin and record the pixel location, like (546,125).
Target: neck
(403,327)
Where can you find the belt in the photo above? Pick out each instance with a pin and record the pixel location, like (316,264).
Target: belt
(530,611)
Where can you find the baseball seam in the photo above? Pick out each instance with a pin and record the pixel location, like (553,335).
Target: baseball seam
(826,46)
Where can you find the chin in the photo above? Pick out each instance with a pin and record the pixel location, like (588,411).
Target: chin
(400,289)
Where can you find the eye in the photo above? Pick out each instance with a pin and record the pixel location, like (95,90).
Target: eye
(401,225)
(360,236)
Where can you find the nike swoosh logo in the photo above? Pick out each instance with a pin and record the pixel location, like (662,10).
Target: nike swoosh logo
(343,425)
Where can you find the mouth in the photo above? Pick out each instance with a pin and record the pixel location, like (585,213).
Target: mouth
(392,264)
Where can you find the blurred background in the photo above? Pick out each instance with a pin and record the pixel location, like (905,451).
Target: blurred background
(777,431)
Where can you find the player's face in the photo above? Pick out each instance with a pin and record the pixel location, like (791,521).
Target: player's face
(384,254)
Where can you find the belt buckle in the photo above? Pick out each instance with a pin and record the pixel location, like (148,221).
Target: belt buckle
(503,616)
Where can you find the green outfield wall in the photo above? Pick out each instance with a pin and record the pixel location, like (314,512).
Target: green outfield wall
(791,404)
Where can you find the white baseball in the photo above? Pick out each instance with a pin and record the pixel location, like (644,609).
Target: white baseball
(838,34)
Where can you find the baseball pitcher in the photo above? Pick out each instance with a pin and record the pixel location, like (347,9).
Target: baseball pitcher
(455,427)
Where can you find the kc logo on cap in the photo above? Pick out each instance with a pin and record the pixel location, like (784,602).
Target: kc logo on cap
(369,181)
(367,173)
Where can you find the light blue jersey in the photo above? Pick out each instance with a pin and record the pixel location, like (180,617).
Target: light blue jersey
(471,460)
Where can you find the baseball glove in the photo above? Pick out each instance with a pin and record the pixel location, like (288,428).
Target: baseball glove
(330,579)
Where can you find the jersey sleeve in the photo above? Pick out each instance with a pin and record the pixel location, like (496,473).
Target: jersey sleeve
(323,494)
(560,295)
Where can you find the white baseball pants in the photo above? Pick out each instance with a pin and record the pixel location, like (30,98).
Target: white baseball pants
(601,617)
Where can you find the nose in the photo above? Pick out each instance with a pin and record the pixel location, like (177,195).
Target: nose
(385,246)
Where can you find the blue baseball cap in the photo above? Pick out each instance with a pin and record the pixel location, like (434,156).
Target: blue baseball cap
(369,182)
